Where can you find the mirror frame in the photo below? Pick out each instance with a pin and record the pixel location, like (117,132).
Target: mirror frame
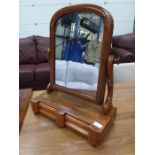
(105,51)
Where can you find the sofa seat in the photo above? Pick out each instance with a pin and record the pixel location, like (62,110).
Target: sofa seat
(123,47)
(123,54)
(34,70)
(26,73)
(42,72)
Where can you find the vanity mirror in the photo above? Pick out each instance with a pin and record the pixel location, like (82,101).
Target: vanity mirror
(78,42)
(81,72)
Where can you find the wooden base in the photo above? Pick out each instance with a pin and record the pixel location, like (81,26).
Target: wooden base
(81,116)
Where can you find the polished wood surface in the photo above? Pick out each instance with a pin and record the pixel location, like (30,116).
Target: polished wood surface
(39,135)
(24,99)
(59,106)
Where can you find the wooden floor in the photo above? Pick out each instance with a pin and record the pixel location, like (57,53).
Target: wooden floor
(40,136)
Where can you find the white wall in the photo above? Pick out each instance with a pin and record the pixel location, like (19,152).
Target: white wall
(35,15)
(124,72)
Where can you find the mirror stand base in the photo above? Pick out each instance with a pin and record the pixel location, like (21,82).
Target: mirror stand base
(72,112)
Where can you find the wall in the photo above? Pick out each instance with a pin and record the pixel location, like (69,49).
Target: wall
(35,15)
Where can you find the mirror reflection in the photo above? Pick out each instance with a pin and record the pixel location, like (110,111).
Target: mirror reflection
(78,40)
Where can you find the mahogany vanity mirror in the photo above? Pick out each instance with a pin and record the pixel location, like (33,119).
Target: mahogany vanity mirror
(81,71)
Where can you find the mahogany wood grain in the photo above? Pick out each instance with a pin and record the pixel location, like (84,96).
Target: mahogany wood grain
(24,99)
(60,106)
(39,135)
(107,105)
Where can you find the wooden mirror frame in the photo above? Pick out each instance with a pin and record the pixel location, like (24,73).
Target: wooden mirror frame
(105,50)
(58,103)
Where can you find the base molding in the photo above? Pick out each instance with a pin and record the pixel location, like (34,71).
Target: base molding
(94,129)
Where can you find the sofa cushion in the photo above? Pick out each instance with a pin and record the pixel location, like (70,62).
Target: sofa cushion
(126,41)
(42,72)
(42,43)
(27,54)
(26,73)
(123,54)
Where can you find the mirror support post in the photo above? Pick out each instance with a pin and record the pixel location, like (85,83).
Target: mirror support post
(50,86)
(107,105)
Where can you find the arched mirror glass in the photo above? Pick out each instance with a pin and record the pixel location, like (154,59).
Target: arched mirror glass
(78,43)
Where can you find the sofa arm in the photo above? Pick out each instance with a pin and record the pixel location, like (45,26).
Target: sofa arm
(126,41)
(123,54)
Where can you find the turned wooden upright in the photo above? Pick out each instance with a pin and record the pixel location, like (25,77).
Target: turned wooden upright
(88,115)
